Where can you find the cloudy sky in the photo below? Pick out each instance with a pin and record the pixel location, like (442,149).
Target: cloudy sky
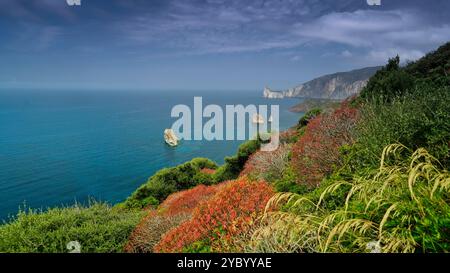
(207,44)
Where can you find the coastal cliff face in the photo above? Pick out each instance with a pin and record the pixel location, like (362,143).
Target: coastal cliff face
(272,94)
(334,86)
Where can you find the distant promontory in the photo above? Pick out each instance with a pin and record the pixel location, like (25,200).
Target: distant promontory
(335,86)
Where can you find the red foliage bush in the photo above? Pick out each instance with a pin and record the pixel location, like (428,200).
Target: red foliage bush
(176,209)
(186,201)
(317,152)
(225,215)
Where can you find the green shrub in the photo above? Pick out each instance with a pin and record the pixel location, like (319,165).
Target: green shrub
(288,183)
(415,120)
(434,68)
(98,228)
(203,179)
(170,180)
(203,246)
(392,81)
(203,163)
(235,164)
(389,82)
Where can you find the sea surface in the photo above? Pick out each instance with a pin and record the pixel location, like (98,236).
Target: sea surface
(58,147)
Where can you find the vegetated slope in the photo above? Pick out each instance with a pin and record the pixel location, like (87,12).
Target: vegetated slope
(96,228)
(403,206)
(434,65)
(216,222)
(176,209)
(392,80)
(371,195)
(369,176)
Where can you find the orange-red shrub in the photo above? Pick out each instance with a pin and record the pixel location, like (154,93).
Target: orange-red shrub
(317,152)
(186,201)
(176,209)
(225,215)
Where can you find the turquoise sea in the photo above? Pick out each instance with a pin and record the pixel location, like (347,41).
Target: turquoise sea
(63,146)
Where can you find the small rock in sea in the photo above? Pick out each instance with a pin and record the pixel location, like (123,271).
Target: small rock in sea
(170,137)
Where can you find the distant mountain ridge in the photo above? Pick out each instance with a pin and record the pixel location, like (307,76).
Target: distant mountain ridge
(333,86)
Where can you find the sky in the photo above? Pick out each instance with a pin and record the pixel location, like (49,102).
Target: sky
(207,44)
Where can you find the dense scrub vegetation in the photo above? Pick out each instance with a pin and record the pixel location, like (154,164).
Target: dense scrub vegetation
(215,222)
(371,195)
(393,81)
(97,228)
(234,164)
(418,119)
(408,105)
(172,212)
(371,175)
(268,166)
(317,152)
(404,207)
(170,180)
(188,175)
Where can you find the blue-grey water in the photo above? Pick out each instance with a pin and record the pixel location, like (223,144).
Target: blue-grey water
(60,147)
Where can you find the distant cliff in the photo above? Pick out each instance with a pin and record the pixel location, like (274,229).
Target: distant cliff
(273,94)
(334,86)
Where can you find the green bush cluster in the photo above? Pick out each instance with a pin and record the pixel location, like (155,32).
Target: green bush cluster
(288,183)
(392,81)
(418,119)
(170,180)
(188,175)
(408,105)
(97,228)
(234,164)
(389,82)
(434,68)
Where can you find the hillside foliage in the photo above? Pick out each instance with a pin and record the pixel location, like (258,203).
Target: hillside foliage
(97,228)
(170,180)
(371,175)
(404,207)
(317,152)
(215,222)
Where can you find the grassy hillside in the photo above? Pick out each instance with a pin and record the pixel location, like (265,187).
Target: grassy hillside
(97,228)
